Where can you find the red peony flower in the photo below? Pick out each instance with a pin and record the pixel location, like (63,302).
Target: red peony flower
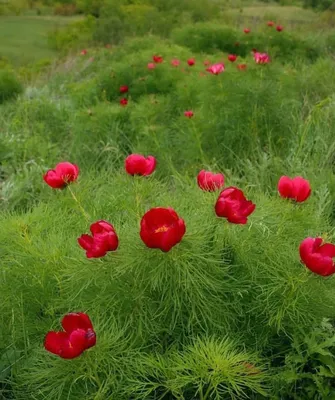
(175,62)
(189,114)
(246,30)
(124,89)
(83,52)
(151,66)
(191,62)
(157,59)
(279,28)
(261,58)
(297,188)
(63,174)
(318,257)
(216,69)
(232,57)
(124,102)
(233,205)
(103,239)
(137,164)
(242,67)
(270,23)
(78,336)
(210,182)
(161,228)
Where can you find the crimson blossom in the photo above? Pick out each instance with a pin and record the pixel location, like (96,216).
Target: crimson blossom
(318,257)
(157,59)
(102,240)
(209,182)
(216,69)
(77,336)
(63,174)
(298,188)
(124,89)
(233,205)
(136,164)
(232,57)
(161,228)
(189,114)
(261,58)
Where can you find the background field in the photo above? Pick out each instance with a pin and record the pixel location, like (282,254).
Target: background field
(24,39)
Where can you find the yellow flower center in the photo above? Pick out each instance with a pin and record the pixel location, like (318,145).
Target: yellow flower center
(163,228)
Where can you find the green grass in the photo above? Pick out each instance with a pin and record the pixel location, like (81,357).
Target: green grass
(279,13)
(230,312)
(24,38)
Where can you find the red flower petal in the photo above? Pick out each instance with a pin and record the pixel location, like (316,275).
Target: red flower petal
(320,265)
(73,321)
(101,226)
(136,164)
(67,171)
(297,189)
(210,182)
(53,180)
(162,228)
(327,250)
(317,257)
(301,189)
(233,205)
(85,241)
(285,186)
(66,345)
(150,165)
(63,174)
(54,341)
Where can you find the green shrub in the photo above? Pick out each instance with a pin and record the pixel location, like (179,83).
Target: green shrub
(65,9)
(319,4)
(109,30)
(10,87)
(211,317)
(209,37)
(205,37)
(310,364)
(92,7)
(75,34)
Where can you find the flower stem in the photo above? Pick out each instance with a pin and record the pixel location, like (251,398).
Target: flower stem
(137,195)
(199,143)
(84,213)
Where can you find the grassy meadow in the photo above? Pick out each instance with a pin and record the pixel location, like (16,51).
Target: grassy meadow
(231,312)
(24,39)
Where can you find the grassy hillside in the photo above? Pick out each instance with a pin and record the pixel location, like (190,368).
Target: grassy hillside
(231,311)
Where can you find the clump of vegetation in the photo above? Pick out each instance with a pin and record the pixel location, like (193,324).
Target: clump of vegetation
(10,87)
